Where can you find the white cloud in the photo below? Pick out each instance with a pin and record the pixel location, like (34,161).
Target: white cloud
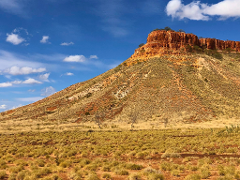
(31,81)
(14,39)
(93,57)
(30,99)
(3,106)
(44,77)
(6,84)
(15,70)
(48,91)
(75,58)
(44,39)
(28,81)
(16,82)
(31,90)
(14,107)
(13,6)
(69,74)
(201,11)
(66,44)
(9,59)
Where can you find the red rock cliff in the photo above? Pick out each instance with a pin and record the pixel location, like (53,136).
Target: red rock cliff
(163,42)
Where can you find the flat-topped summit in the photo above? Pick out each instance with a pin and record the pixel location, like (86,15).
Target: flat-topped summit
(162,42)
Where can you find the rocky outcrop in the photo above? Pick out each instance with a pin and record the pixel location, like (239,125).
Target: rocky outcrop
(163,42)
(216,44)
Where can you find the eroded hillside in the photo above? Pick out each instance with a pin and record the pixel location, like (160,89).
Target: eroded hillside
(176,76)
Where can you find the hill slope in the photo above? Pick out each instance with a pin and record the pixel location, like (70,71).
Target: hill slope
(174,75)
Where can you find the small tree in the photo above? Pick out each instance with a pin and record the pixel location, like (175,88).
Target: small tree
(133,116)
(99,118)
(167,28)
(140,45)
(180,30)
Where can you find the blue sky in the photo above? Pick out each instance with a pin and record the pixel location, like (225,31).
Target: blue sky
(48,45)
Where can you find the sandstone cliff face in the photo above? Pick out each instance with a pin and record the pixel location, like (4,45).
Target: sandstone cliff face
(162,42)
(219,44)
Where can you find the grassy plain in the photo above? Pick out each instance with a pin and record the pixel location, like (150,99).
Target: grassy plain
(118,153)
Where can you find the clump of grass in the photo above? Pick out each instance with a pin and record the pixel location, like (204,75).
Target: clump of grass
(16,169)
(193,177)
(106,168)
(40,162)
(3,164)
(92,176)
(84,162)
(12,176)
(92,167)
(175,172)
(106,176)
(205,173)
(121,171)
(155,176)
(134,177)
(170,155)
(134,166)
(165,166)
(75,175)
(65,164)
(3,174)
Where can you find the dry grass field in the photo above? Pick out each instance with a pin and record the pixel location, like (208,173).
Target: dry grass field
(115,152)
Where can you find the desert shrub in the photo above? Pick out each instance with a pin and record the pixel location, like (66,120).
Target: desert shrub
(205,173)
(226,177)
(134,177)
(45,171)
(21,162)
(12,176)
(71,153)
(121,171)
(21,175)
(75,175)
(170,155)
(92,176)
(3,174)
(65,164)
(106,168)
(134,166)
(175,172)
(155,176)
(193,177)
(106,176)
(55,177)
(165,166)
(85,162)
(16,169)
(3,164)
(140,45)
(149,170)
(91,167)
